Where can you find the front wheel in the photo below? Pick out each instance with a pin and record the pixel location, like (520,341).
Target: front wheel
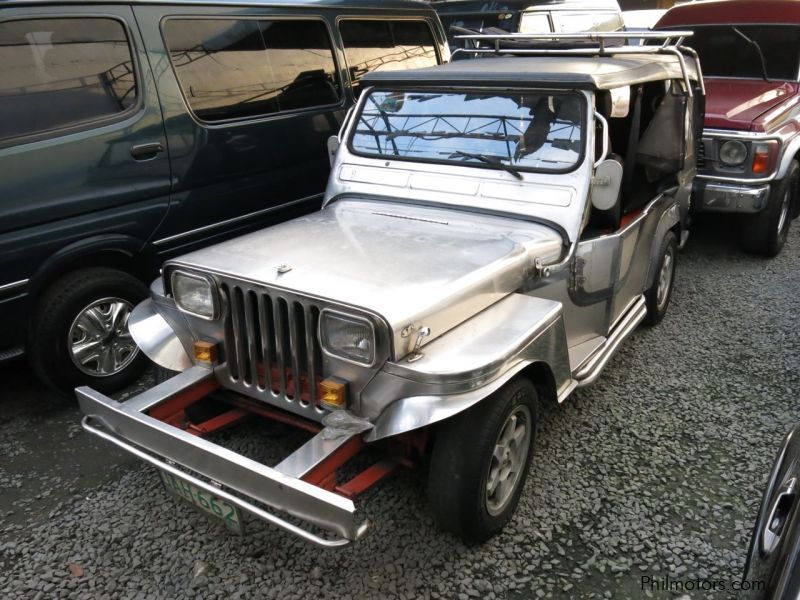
(480,462)
(765,234)
(79,334)
(659,294)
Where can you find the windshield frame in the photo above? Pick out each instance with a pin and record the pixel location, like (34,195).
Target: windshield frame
(472,89)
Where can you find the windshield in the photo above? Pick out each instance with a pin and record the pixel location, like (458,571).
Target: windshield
(523,131)
(725,53)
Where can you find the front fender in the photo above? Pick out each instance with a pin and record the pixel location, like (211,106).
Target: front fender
(157,329)
(669,219)
(789,151)
(468,364)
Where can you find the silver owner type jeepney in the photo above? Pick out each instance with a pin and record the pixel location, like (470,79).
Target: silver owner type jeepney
(493,229)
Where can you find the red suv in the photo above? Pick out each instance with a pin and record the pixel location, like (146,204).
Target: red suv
(748,159)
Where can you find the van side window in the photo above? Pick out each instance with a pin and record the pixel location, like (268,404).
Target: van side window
(239,68)
(374,45)
(57,73)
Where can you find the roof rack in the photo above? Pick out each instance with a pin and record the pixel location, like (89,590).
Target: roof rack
(672,44)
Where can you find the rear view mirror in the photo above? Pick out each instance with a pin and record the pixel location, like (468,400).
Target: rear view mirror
(333,148)
(606,184)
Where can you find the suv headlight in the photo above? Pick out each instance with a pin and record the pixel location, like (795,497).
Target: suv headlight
(733,153)
(194,294)
(348,337)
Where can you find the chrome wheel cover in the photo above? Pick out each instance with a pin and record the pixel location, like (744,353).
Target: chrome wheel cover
(784,211)
(508,459)
(99,343)
(665,278)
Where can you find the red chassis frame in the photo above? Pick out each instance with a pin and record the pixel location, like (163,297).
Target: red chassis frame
(402,450)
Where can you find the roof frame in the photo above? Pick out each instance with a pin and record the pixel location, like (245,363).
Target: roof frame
(672,44)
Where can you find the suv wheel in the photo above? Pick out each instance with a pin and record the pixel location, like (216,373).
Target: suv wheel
(766,233)
(79,334)
(474,486)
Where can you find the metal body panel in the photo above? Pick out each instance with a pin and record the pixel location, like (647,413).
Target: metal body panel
(669,220)
(483,344)
(589,370)
(348,249)
(734,11)
(577,71)
(608,272)
(157,339)
(742,104)
(419,404)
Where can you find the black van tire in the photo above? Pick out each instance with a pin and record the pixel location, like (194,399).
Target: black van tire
(462,461)
(657,302)
(765,232)
(58,308)
(162,374)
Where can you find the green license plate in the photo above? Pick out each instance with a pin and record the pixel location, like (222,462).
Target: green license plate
(205,501)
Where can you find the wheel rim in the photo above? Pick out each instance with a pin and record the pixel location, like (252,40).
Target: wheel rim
(508,460)
(784,211)
(665,279)
(99,342)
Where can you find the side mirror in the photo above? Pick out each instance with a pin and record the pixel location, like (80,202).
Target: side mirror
(620,101)
(333,148)
(606,184)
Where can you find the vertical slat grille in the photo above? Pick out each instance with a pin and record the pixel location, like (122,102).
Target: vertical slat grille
(701,154)
(272,347)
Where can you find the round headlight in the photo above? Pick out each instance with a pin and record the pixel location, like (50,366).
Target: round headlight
(348,337)
(733,153)
(194,294)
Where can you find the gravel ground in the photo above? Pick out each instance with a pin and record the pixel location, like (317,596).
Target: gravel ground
(655,471)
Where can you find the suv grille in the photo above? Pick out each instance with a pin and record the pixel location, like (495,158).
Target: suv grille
(271,346)
(701,155)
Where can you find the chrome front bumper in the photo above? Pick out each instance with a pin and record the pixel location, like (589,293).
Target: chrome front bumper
(730,197)
(216,469)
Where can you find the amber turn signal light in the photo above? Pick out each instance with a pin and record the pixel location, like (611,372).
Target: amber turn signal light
(205,352)
(334,393)
(761,159)
(760,162)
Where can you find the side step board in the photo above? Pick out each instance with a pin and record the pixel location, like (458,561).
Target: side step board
(589,370)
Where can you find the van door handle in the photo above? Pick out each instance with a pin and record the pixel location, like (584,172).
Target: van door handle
(146,151)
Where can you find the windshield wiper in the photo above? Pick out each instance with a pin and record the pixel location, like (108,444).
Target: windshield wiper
(490,160)
(755,45)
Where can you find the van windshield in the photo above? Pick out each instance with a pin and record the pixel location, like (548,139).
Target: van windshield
(526,131)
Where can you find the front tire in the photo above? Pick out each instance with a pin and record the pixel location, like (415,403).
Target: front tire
(766,233)
(480,461)
(658,296)
(79,333)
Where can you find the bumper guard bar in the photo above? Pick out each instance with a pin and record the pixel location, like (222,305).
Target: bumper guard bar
(127,426)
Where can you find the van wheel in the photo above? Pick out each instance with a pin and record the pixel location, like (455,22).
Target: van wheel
(480,462)
(659,294)
(766,233)
(79,334)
